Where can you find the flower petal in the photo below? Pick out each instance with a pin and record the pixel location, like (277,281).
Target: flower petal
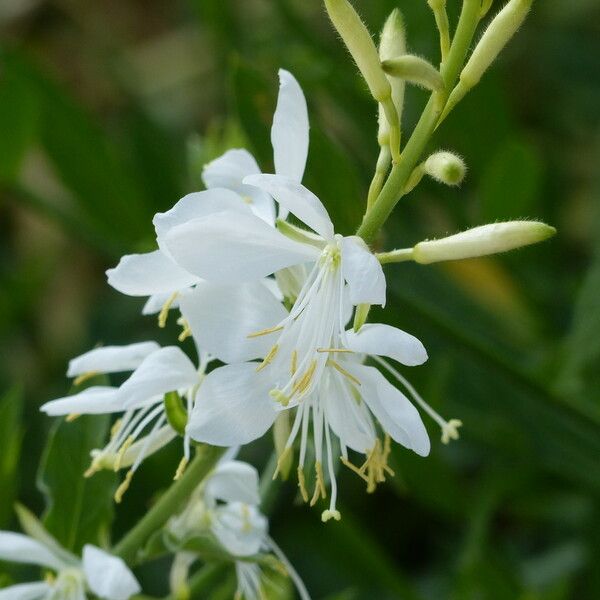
(385,340)
(391,408)
(234,481)
(362,272)
(108,576)
(150,273)
(232,406)
(229,170)
(233,247)
(19,548)
(300,201)
(25,591)
(240,528)
(163,371)
(111,359)
(95,400)
(222,316)
(289,133)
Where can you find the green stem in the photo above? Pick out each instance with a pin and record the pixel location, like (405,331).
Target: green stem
(171,501)
(395,256)
(204,578)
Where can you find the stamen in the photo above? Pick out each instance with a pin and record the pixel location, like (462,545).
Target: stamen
(180,469)
(450,430)
(123,487)
(268,358)
(302,484)
(281,460)
(85,376)
(347,350)
(71,417)
(186,331)
(343,371)
(115,428)
(376,467)
(280,397)
(354,468)
(320,489)
(164,311)
(328,514)
(265,331)
(121,452)
(294,365)
(302,384)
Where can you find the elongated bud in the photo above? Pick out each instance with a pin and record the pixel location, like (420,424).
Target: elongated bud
(414,70)
(175,412)
(392,43)
(360,45)
(499,32)
(482,241)
(445,167)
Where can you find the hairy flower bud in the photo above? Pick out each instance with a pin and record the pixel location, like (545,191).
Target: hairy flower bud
(414,70)
(445,167)
(482,241)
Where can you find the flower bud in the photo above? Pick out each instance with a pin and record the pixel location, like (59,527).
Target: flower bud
(360,45)
(414,70)
(445,167)
(482,241)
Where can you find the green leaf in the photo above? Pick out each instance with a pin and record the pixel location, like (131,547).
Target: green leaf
(11,435)
(79,510)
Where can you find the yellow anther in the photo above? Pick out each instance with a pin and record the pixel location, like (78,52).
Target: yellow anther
(247,199)
(302,384)
(268,358)
(335,350)
(84,377)
(49,578)
(164,311)
(353,468)
(265,331)
(319,485)
(281,460)
(280,397)
(119,457)
(71,417)
(246,526)
(302,484)
(375,466)
(115,428)
(123,487)
(450,430)
(343,371)
(328,514)
(294,364)
(180,468)
(186,331)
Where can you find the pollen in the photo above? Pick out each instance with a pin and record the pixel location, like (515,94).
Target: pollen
(329,514)
(268,358)
(123,487)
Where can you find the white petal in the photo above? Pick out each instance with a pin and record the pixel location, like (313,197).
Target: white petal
(385,340)
(16,547)
(222,316)
(165,370)
(289,133)
(155,303)
(234,481)
(391,408)
(362,272)
(232,247)
(300,201)
(25,591)
(95,400)
(232,406)
(150,273)
(111,359)
(240,528)
(108,576)
(229,170)
(197,205)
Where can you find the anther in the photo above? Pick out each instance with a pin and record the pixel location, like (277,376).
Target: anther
(302,484)
(343,371)
(268,358)
(180,468)
(84,377)
(450,430)
(265,331)
(119,458)
(329,514)
(164,311)
(123,487)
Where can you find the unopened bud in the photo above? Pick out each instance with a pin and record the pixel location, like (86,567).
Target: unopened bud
(482,241)
(360,45)
(414,70)
(175,412)
(281,434)
(445,167)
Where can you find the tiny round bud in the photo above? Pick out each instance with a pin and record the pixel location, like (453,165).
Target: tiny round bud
(446,167)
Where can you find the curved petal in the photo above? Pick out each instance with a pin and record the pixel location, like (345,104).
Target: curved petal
(95,400)
(229,170)
(156,302)
(233,247)
(19,548)
(111,359)
(362,272)
(25,591)
(165,370)
(300,201)
(289,133)
(385,340)
(150,273)
(197,205)
(234,481)
(232,407)
(222,316)
(391,408)
(240,528)
(108,576)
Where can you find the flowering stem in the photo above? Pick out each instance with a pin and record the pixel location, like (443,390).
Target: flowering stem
(395,256)
(169,503)
(202,579)
(393,189)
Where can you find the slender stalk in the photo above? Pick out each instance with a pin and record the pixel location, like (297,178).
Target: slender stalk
(395,256)
(203,579)
(205,459)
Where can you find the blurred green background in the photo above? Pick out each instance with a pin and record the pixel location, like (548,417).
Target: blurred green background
(108,111)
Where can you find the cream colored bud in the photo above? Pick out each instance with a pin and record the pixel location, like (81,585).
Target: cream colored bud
(482,241)
(445,167)
(414,70)
(360,45)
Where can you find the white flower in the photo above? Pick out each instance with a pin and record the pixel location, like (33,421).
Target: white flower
(226,504)
(313,363)
(98,572)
